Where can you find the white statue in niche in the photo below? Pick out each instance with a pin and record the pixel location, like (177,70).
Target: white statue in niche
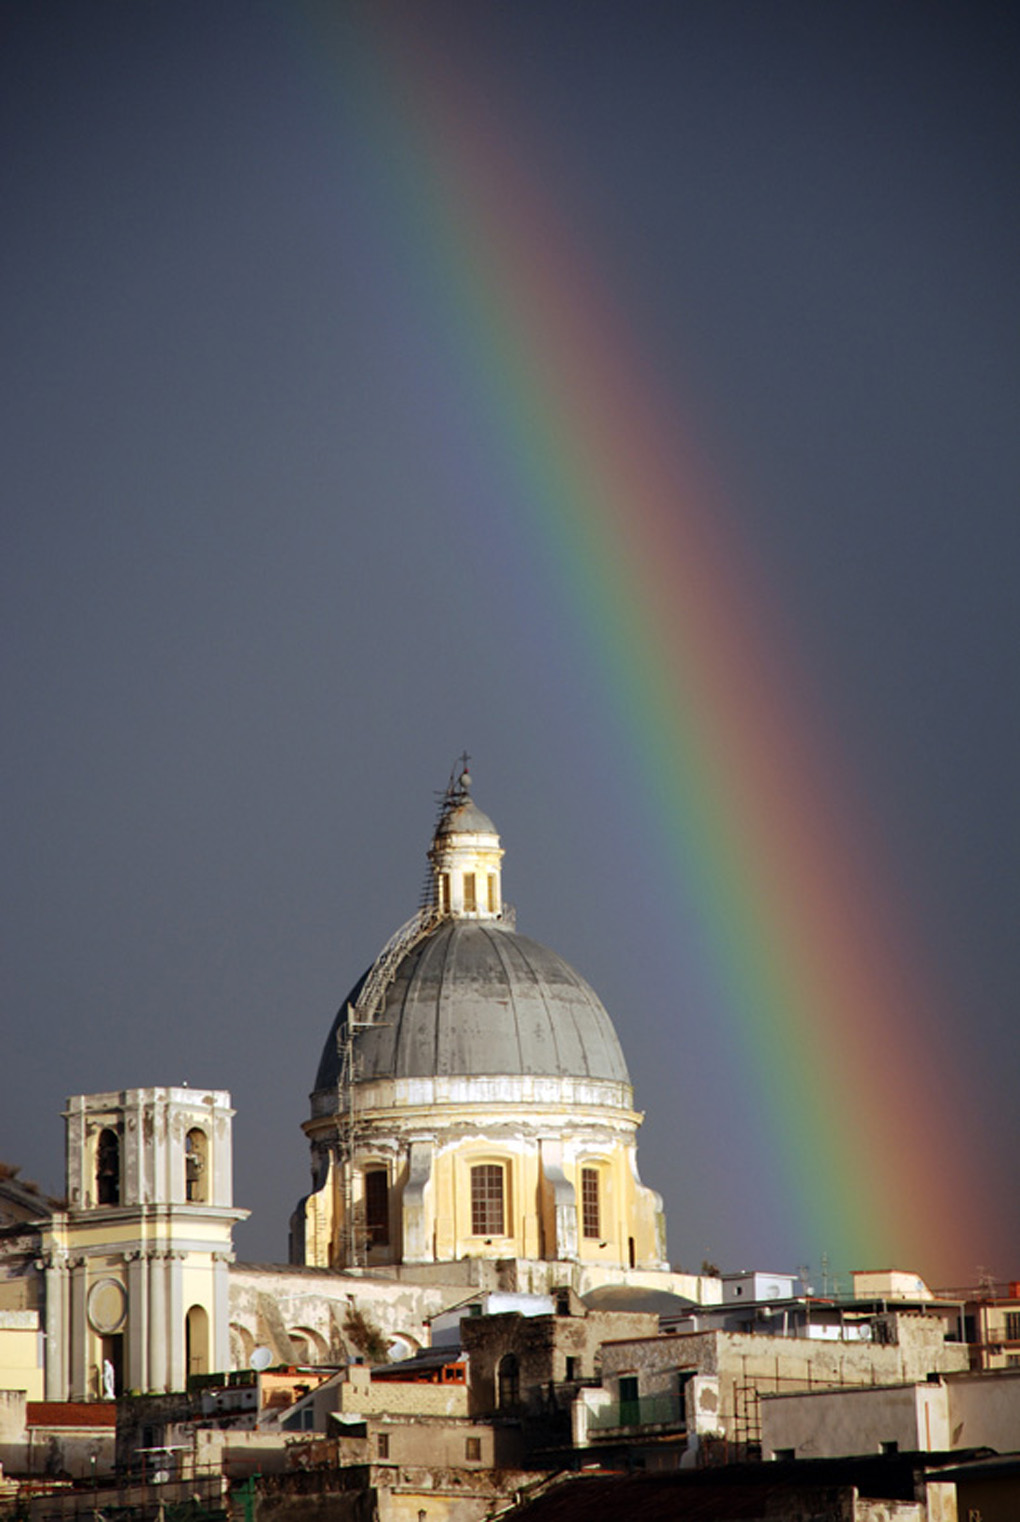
(109,1380)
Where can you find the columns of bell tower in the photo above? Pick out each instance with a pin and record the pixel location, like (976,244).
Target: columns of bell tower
(148,1237)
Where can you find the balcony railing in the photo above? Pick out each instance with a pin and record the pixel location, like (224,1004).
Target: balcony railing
(646,1411)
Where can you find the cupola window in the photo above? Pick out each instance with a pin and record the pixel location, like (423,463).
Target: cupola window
(108,1167)
(470,894)
(488,1215)
(493,895)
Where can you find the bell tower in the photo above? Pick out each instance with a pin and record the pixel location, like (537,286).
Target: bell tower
(136,1268)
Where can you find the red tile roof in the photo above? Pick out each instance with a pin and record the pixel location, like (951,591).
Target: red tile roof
(71,1413)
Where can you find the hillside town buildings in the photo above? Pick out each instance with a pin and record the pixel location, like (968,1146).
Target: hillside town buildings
(479,1296)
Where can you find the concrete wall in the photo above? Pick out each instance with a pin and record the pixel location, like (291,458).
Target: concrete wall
(239,1454)
(75,1453)
(748,1365)
(837,1423)
(435,1443)
(541,1345)
(55,1450)
(359,1395)
(12,1429)
(889,1284)
(984,1411)
(966,1411)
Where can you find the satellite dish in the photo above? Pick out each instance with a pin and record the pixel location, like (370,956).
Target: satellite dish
(161,1477)
(261,1358)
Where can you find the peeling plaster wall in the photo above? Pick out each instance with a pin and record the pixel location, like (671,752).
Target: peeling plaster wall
(541,1345)
(268,1304)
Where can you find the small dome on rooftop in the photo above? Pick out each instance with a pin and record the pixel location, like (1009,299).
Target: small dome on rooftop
(465,818)
(461,814)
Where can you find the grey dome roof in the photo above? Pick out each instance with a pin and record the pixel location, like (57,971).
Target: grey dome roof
(472,999)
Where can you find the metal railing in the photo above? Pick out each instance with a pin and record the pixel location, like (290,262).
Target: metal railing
(664,1410)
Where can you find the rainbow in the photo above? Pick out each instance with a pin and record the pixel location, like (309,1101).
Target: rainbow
(742,790)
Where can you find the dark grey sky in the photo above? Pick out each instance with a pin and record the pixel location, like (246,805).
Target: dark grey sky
(256,595)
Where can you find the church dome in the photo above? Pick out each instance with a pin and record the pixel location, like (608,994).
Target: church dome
(473,999)
(472,1100)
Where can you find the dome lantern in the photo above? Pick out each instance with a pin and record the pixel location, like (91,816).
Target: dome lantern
(465,856)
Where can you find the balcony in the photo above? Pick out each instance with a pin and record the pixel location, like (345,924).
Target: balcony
(666,1410)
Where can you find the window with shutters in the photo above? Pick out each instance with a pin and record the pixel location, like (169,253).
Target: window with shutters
(488,1206)
(591,1216)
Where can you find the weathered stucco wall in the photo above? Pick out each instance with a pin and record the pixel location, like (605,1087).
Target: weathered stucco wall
(963,1411)
(984,1411)
(748,1365)
(444,1444)
(360,1396)
(837,1423)
(304,1315)
(541,1345)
